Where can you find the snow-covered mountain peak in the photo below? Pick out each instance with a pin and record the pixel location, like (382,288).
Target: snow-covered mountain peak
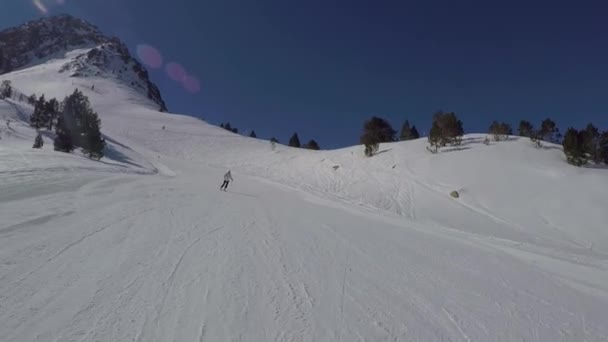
(54,37)
(113,60)
(45,38)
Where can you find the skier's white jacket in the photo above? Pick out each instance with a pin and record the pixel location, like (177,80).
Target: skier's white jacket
(228,176)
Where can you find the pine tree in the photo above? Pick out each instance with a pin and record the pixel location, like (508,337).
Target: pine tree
(222,125)
(228,127)
(500,131)
(79,119)
(435,137)
(604,147)
(446,129)
(548,131)
(6,90)
(590,140)
(573,147)
(38,119)
(63,137)
(415,134)
(451,128)
(312,145)
(525,129)
(294,141)
(93,142)
(253,135)
(375,131)
(406,131)
(72,117)
(38,142)
(52,111)
(32,99)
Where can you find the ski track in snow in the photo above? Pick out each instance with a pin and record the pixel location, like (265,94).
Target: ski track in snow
(304,246)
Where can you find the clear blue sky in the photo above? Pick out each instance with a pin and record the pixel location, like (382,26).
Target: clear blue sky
(322,67)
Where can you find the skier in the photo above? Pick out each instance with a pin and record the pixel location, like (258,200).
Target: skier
(227,179)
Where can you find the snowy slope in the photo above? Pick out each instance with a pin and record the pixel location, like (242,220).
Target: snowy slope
(143,247)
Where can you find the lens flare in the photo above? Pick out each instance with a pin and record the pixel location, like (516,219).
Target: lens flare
(191,84)
(40,6)
(150,56)
(175,71)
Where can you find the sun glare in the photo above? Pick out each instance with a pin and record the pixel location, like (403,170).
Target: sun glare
(44,8)
(40,6)
(175,71)
(150,56)
(191,84)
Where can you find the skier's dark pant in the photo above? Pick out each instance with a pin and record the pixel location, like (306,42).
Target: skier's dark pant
(224,185)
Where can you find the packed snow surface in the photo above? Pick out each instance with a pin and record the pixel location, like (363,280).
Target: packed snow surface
(304,245)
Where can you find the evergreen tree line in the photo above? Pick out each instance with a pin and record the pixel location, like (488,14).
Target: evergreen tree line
(294,141)
(548,131)
(585,145)
(76,124)
(377,130)
(227,127)
(580,147)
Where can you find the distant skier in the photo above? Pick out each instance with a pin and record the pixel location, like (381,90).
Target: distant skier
(227,179)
